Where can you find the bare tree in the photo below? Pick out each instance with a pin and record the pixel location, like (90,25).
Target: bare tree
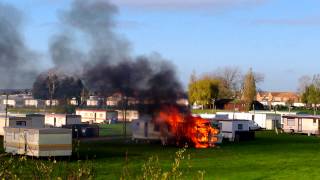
(51,83)
(258,77)
(304,82)
(316,80)
(231,75)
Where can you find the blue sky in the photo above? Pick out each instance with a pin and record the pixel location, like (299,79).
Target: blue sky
(280,39)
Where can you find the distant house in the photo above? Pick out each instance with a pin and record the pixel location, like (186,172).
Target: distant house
(279,98)
(307,124)
(231,105)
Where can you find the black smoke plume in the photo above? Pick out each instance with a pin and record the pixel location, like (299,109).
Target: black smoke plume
(107,67)
(17,62)
(89,47)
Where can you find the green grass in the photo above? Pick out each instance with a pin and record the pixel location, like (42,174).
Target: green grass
(114,129)
(269,156)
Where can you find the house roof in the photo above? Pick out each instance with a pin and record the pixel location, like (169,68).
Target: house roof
(287,95)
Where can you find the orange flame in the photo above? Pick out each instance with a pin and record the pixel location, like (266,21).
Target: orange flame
(186,128)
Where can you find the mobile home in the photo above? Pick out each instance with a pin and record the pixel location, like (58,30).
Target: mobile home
(265,120)
(235,129)
(97,116)
(146,129)
(38,142)
(307,124)
(30,121)
(59,120)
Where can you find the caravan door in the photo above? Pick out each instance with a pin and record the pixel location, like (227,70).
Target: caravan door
(299,125)
(146,129)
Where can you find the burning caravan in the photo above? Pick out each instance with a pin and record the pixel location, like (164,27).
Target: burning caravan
(171,127)
(39,142)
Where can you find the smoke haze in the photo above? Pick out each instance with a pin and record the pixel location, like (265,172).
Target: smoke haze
(88,47)
(17,62)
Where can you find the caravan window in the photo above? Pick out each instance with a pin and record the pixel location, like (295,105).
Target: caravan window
(290,122)
(240,126)
(156,128)
(315,122)
(21,123)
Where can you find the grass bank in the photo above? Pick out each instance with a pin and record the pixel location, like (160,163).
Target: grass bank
(269,156)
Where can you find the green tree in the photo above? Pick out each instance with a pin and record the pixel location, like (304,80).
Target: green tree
(203,91)
(311,96)
(249,89)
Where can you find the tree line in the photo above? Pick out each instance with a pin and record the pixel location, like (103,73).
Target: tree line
(224,83)
(310,91)
(49,86)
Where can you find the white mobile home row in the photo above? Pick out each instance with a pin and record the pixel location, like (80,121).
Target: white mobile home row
(27,102)
(264,120)
(38,121)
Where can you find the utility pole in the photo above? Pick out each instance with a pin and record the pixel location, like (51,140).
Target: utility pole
(276,128)
(214,103)
(124,115)
(7,98)
(234,104)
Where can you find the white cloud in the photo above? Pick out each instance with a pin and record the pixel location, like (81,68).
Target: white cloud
(186,4)
(306,21)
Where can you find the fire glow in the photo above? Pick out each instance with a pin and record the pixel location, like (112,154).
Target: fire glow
(185,128)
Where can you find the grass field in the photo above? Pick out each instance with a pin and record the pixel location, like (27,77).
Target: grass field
(114,129)
(269,156)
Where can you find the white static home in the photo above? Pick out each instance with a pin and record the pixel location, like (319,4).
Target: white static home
(234,129)
(38,142)
(306,124)
(97,116)
(266,121)
(131,115)
(54,102)
(29,121)
(13,101)
(59,120)
(34,103)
